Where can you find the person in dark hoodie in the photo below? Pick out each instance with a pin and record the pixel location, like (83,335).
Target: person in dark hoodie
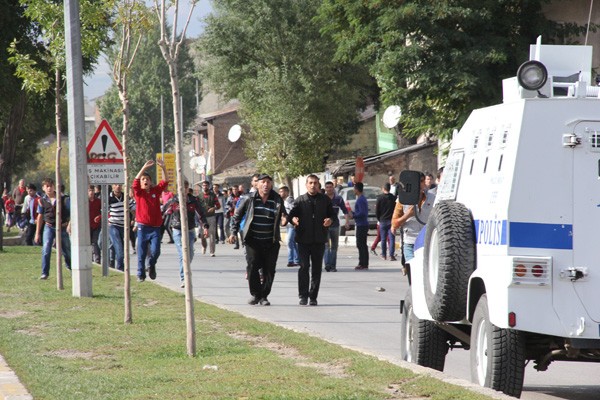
(311,216)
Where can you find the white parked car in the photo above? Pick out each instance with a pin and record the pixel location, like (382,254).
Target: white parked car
(371,193)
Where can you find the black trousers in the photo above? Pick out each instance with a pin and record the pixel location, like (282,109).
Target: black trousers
(261,256)
(311,259)
(361,244)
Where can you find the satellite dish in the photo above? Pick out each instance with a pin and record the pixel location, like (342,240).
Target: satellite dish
(391,116)
(234,133)
(201,161)
(193,163)
(192,153)
(199,170)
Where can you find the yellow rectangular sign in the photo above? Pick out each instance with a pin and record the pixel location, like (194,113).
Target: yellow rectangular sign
(169,159)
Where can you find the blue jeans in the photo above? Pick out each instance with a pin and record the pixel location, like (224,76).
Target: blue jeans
(292,246)
(220,228)
(386,232)
(48,241)
(117,235)
(147,235)
(177,240)
(408,249)
(331,246)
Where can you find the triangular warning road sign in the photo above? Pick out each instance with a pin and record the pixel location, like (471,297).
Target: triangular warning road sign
(104,147)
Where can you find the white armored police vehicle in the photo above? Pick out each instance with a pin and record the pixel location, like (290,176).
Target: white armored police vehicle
(508,264)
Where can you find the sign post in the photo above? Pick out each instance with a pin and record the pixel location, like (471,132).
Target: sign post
(105,167)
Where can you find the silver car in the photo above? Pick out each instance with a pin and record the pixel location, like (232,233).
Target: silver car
(371,193)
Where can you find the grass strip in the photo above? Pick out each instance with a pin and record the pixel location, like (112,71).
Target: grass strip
(63,347)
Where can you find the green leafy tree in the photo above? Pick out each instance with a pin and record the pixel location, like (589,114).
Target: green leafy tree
(438,59)
(23,119)
(298,103)
(48,15)
(148,80)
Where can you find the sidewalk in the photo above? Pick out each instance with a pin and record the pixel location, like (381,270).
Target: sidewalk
(10,386)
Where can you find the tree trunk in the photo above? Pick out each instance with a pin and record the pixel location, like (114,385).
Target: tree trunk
(12,132)
(59,277)
(126,225)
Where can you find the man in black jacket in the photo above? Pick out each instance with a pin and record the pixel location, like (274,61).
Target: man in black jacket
(384,209)
(311,215)
(258,216)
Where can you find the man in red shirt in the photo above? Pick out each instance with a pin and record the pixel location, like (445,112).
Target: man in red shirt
(148,217)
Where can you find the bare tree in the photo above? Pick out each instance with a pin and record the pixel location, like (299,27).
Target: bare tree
(170,46)
(133,20)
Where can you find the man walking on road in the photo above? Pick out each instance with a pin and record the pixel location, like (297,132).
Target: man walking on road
(311,216)
(293,260)
(333,232)
(384,209)
(262,212)
(211,203)
(361,215)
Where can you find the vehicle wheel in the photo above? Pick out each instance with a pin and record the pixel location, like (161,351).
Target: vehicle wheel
(423,342)
(449,260)
(497,355)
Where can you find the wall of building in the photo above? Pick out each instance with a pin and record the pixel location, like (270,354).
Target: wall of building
(224,154)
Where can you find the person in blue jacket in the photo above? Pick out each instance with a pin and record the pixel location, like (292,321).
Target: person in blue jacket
(361,213)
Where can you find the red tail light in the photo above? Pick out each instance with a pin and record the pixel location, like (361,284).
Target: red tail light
(537,270)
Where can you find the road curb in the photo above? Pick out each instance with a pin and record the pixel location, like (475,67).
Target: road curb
(10,386)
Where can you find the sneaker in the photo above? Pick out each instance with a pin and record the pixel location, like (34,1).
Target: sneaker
(291,264)
(374,252)
(237,246)
(140,279)
(333,269)
(312,302)
(327,268)
(303,301)
(264,302)
(253,301)
(212,254)
(360,268)
(44,277)
(182,284)
(383,257)
(152,272)
(393,258)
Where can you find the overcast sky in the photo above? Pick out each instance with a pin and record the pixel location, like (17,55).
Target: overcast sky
(96,84)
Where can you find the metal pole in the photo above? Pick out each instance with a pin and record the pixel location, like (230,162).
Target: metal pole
(162,127)
(81,256)
(105,237)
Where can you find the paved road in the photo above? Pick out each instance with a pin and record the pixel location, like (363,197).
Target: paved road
(352,312)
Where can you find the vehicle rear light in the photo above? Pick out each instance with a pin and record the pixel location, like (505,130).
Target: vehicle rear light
(520,270)
(532,271)
(537,271)
(512,319)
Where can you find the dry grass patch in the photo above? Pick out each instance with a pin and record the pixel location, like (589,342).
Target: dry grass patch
(333,370)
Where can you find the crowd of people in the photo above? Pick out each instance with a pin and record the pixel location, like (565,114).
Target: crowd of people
(251,220)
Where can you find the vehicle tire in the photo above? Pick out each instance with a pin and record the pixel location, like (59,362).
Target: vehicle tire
(497,355)
(449,260)
(423,342)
